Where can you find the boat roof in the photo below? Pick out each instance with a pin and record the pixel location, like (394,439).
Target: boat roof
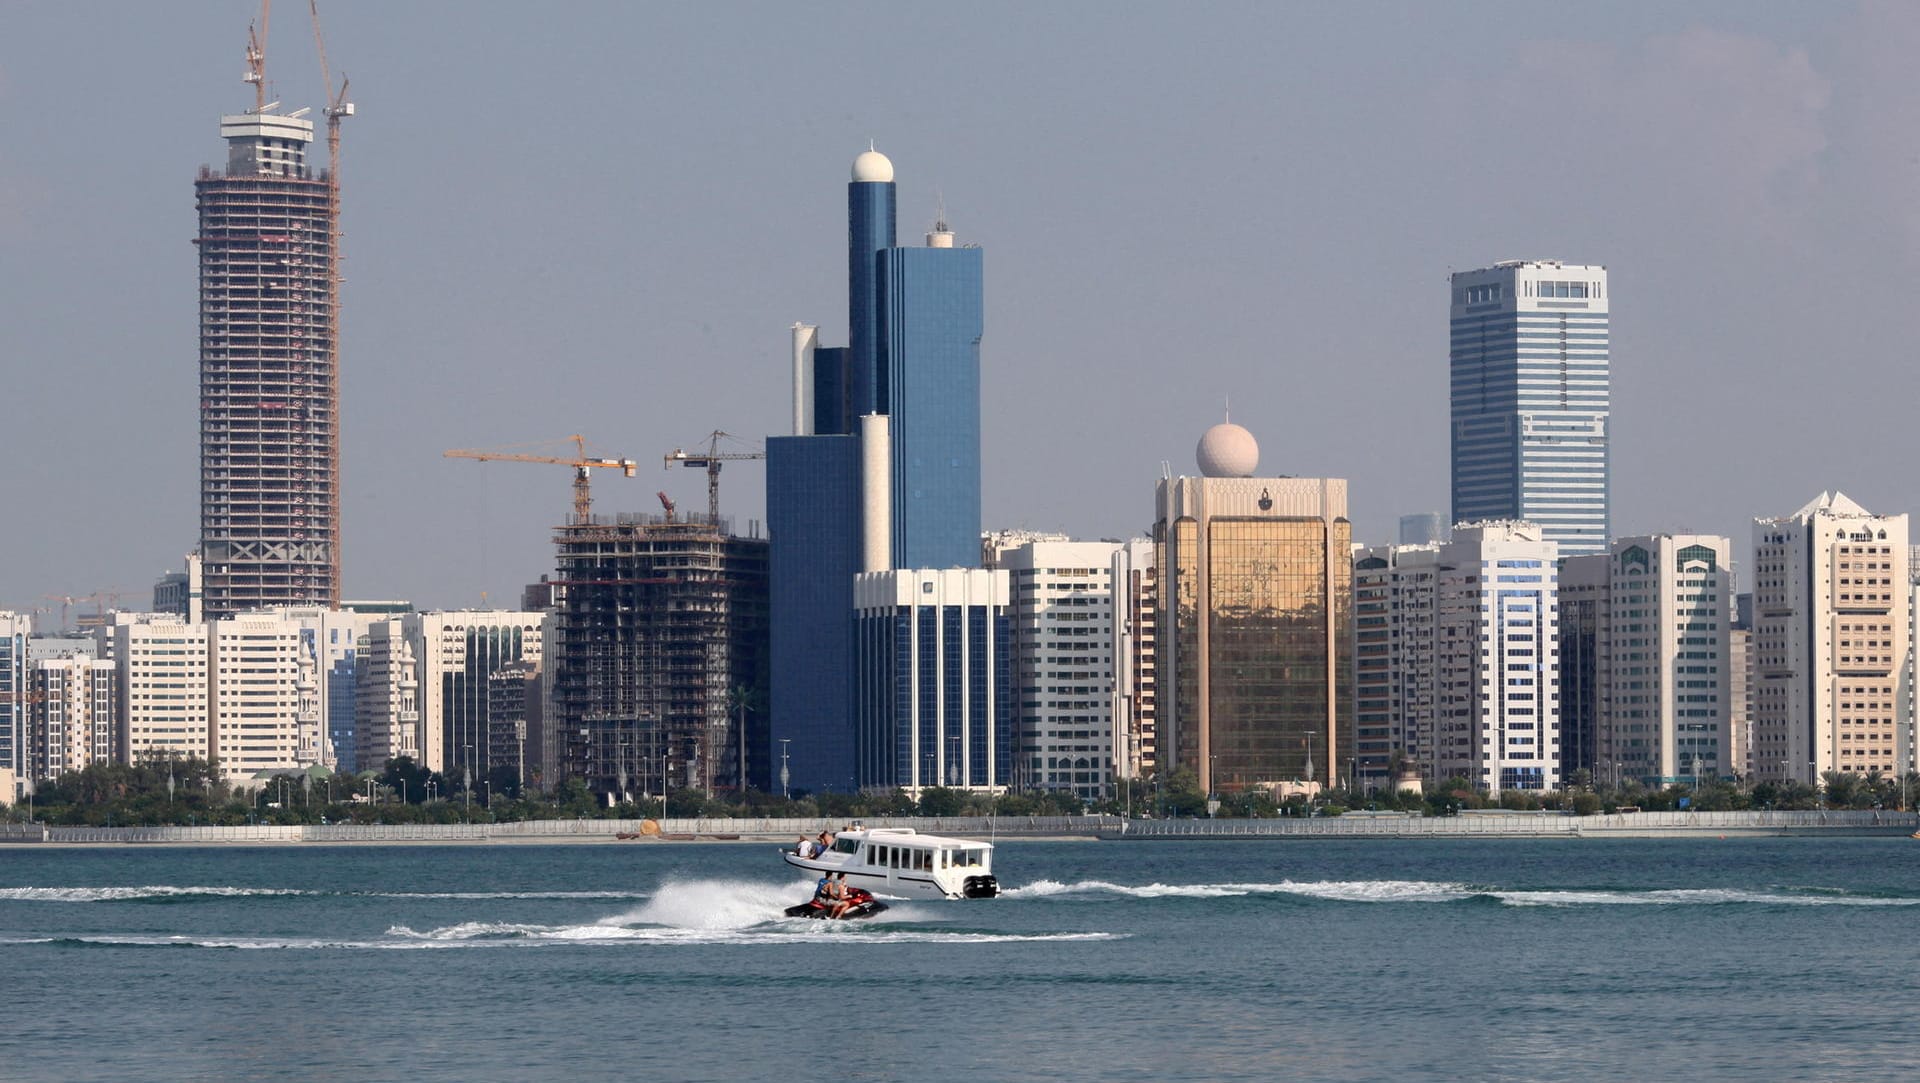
(909,835)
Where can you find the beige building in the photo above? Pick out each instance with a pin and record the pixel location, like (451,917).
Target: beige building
(264,701)
(1256,595)
(1832,633)
(163,693)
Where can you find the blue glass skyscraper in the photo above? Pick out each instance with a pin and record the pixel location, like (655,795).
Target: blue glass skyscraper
(870,230)
(932,359)
(1531,399)
(883,470)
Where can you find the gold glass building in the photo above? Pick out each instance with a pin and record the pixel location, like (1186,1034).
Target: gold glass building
(1255,608)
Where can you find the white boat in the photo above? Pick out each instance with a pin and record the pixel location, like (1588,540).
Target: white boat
(901,862)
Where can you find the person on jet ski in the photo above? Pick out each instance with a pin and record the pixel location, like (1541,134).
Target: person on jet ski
(841,895)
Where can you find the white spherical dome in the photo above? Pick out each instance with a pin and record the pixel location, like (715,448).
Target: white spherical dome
(1228,451)
(872,166)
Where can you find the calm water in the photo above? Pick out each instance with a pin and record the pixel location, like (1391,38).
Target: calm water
(1428,959)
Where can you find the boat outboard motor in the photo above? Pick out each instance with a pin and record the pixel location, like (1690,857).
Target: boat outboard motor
(980,887)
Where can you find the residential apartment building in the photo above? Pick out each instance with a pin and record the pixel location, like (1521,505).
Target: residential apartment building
(1498,657)
(1832,634)
(164,698)
(1663,660)
(1396,709)
(1063,621)
(72,719)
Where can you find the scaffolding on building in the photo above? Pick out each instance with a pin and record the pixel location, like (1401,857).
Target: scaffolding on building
(663,620)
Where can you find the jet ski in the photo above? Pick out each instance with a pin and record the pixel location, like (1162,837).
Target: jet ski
(864,906)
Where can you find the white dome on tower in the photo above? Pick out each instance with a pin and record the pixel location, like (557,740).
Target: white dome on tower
(872,167)
(1227,451)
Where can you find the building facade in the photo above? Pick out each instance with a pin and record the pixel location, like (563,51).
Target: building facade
(16,688)
(1136,662)
(164,697)
(935,706)
(1063,631)
(269,379)
(72,721)
(387,697)
(1395,710)
(1832,630)
(1530,393)
(263,701)
(459,650)
(1256,594)
(1498,657)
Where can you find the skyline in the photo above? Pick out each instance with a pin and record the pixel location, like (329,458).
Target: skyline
(1264,207)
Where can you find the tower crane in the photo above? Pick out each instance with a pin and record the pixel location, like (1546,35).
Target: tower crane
(580,461)
(711,461)
(337,107)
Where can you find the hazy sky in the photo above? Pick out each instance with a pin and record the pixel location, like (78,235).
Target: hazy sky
(602,218)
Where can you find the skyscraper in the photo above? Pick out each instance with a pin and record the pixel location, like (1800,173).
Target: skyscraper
(1530,399)
(882,471)
(931,328)
(269,385)
(1256,596)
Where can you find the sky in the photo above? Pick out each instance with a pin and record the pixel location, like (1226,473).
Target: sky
(602,218)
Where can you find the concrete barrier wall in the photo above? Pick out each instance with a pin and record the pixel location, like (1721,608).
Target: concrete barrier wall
(779,830)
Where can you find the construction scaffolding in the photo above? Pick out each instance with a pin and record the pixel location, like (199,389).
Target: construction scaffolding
(269,410)
(661,632)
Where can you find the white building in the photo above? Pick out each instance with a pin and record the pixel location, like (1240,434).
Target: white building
(387,704)
(1136,659)
(1396,709)
(72,718)
(163,694)
(1062,596)
(1498,652)
(1832,630)
(1663,702)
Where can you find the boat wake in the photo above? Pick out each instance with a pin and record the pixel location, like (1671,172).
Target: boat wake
(170,892)
(1424,891)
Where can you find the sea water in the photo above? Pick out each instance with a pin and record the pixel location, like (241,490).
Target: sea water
(1276,959)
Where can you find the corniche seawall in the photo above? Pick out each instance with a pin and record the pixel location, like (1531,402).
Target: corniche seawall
(1478,824)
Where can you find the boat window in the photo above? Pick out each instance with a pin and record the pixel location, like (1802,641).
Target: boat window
(847,846)
(923,860)
(893,856)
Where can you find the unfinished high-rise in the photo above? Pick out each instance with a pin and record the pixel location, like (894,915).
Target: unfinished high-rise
(269,380)
(659,654)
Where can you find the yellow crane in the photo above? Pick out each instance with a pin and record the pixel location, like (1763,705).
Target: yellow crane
(580,461)
(711,462)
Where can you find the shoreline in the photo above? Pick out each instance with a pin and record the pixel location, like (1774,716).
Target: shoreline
(781,832)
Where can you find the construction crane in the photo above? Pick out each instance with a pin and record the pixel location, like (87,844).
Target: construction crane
(580,461)
(337,107)
(711,462)
(257,58)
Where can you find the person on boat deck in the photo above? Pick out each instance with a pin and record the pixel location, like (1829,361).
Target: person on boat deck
(804,848)
(826,841)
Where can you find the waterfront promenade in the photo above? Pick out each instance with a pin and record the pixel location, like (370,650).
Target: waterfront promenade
(1110,828)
